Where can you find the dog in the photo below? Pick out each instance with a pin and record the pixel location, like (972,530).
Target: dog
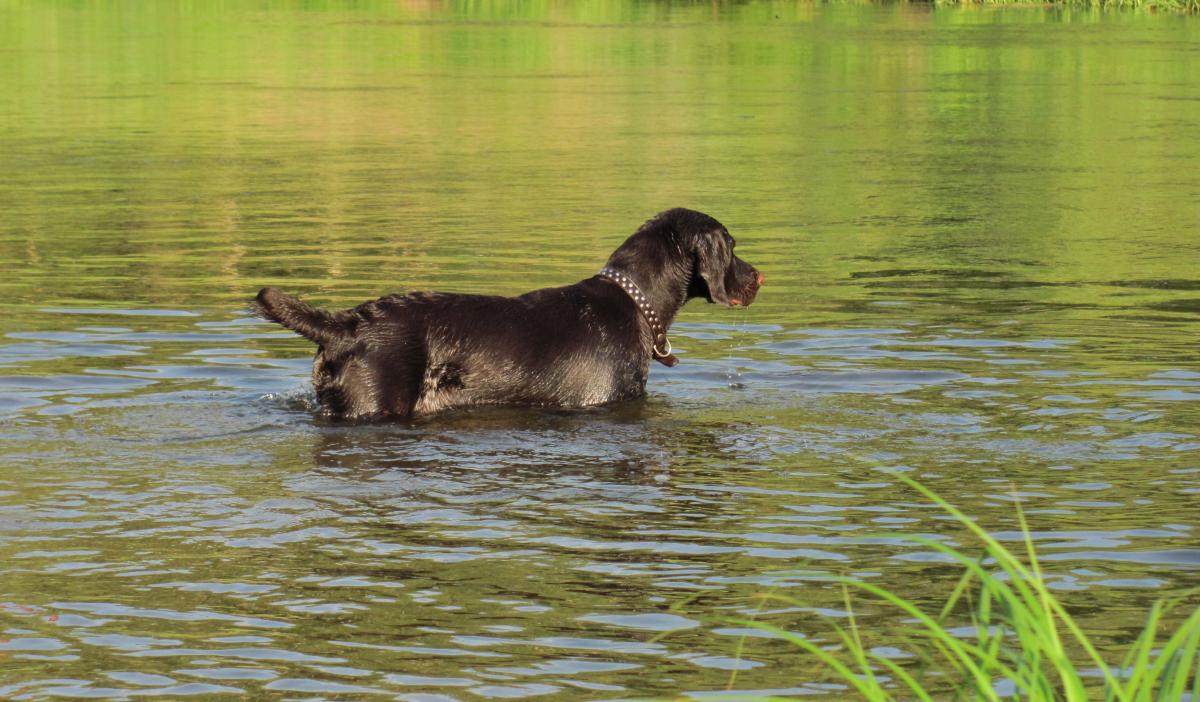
(420,353)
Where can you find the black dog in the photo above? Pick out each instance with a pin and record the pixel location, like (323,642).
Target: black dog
(583,344)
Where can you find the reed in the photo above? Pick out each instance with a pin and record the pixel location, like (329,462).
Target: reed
(1026,644)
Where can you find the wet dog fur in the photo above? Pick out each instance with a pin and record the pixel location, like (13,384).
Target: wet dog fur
(419,353)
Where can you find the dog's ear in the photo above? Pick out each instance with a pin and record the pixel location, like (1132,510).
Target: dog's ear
(713,256)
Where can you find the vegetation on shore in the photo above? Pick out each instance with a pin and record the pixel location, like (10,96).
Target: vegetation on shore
(1024,642)
(1191,6)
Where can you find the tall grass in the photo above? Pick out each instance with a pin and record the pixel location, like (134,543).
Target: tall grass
(1026,645)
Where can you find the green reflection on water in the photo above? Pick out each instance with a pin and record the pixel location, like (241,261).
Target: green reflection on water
(947,179)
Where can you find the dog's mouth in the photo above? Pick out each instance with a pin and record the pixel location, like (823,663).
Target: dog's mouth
(736,297)
(748,293)
(744,299)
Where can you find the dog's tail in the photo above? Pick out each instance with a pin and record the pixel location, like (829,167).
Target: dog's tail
(316,325)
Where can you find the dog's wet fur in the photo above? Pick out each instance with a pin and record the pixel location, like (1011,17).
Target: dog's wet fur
(419,353)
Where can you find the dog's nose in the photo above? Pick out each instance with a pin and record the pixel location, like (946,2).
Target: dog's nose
(761,278)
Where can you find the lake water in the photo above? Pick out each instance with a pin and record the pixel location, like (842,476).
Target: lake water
(980,230)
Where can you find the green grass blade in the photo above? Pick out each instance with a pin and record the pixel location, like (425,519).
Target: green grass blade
(1069,676)
(960,590)
(1034,596)
(741,644)
(964,653)
(854,643)
(1196,677)
(903,676)
(1043,593)
(963,519)
(1183,640)
(1137,661)
(1085,643)
(872,693)
(1022,633)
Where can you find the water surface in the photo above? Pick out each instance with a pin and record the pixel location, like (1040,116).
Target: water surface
(980,233)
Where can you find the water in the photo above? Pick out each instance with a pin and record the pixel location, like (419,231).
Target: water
(980,235)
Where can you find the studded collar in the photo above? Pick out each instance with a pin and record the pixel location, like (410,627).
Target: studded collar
(661,347)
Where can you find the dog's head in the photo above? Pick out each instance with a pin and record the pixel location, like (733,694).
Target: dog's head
(718,274)
(690,244)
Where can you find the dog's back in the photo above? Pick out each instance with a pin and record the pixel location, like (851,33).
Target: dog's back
(420,353)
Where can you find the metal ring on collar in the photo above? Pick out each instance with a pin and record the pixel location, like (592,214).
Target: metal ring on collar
(662,354)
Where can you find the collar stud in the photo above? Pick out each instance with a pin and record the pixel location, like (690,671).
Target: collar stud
(660,347)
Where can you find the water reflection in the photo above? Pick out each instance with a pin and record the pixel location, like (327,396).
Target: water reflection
(964,285)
